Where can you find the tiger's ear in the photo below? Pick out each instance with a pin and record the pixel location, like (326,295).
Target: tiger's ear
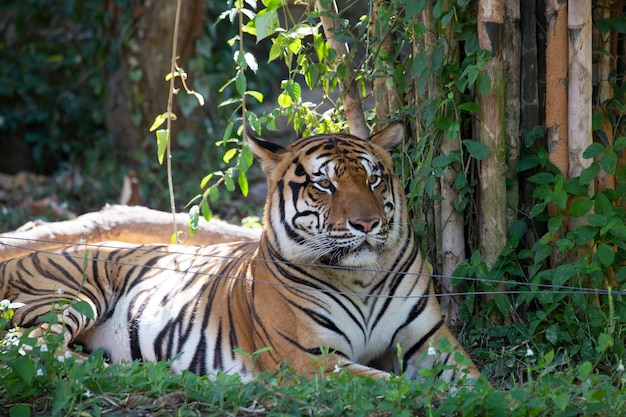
(389,137)
(267,153)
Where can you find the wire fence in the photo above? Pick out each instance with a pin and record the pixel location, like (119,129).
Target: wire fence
(512,287)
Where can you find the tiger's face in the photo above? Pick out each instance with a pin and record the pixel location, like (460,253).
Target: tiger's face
(333,198)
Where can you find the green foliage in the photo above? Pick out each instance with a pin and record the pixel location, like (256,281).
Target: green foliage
(566,290)
(37,379)
(52,77)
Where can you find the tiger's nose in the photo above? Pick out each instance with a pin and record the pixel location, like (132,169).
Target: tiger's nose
(364,225)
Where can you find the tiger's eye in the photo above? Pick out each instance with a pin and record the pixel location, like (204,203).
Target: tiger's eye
(373,180)
(324,184)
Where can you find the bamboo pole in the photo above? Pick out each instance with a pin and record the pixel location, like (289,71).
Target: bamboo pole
(579,85)
(511,52)
(556,85)
(492,170)
(452,220)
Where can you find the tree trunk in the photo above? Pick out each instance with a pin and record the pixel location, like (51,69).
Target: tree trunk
(131,224)
(511,53)
(137,88)
(385,92)
(350,95)
(492,170)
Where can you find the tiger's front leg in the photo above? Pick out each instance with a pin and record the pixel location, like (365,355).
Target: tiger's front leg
(441,353)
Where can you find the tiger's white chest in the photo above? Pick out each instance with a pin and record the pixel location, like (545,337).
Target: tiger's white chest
(364,327)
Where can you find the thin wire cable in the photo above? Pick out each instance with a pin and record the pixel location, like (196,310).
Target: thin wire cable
(535,287)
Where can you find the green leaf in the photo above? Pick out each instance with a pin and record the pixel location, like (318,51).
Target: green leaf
(412,7)
(503,304)
(593,150)
(240,82)
(160,119)
(229,183)
(554,223)
(19,410)
(589,174)
(605,341)
(437,55)
(584,234)
(608,162)
(84,308)
(206,180)
(605,254)
(294,90)
(536,210)
(62,394)
(23,367)
(206,210)
(541,252)
(597,220)
(162,137)
(194,219)
(542,178)
(477,149)
(214,194)
(584,370)
(469,107)
(266,22)
(580,207)
(619,144)
(562,274)
(229,154)
(573,186)
(603,204)
(561,401)
(312,76)
(484,83)
(552,334)
(258,96)
(242,180)
(516,232)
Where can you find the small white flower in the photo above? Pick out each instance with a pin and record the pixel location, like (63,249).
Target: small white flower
(39,372)
(620,367)
(529,352)
(431,351)
(68,354)
(60,291)
(6,304)
(66,312)
(337,369)
(61,358)
(88,394)
(43,347)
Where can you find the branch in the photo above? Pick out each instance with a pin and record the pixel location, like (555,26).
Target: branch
(131,224)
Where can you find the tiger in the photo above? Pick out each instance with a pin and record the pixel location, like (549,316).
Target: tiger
(335,282)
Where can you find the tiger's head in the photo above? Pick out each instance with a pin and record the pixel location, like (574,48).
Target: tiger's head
(332,199)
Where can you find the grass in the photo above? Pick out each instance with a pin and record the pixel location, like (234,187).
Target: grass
(39,381)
